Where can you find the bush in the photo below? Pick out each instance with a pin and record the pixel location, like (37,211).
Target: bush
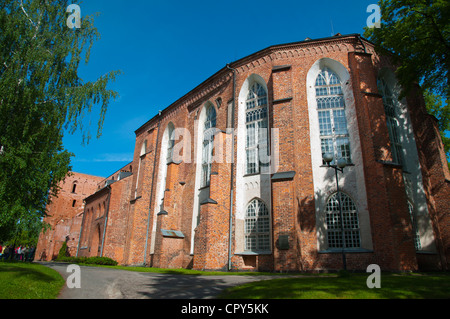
(73,260)
(63,252)
(89,260)
(102,261)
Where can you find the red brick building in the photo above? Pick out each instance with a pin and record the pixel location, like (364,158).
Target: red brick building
(65,214)
(103,231)
(231,175)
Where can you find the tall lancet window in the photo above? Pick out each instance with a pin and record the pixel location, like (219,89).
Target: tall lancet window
(390,108)
(414,226)
(256,119)
(334,135)
(208,144)
(170,143)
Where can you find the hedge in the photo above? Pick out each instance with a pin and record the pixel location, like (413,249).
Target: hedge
(89,260)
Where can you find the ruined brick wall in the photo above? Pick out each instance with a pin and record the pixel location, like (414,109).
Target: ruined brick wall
(65,214)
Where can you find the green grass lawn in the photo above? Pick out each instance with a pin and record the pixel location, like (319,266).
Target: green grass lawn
(183,271)
(29,281)
(34,281)
(393,286)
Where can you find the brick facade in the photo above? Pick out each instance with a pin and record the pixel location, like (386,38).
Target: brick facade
(65,213)
(162,215)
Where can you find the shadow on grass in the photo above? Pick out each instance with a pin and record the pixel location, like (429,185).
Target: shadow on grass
(349,287)
(191,272)
(29,270)
(28,281)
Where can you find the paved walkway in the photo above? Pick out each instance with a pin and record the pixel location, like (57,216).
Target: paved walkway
(108,283)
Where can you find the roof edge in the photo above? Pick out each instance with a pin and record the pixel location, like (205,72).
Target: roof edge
(241,60)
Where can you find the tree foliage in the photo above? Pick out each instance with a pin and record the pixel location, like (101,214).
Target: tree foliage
(436,106)
(416,34)
(41,95)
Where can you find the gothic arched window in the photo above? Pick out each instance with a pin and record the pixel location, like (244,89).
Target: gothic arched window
(417,244)
(390,108)
(256,119)
(257,227)
(334,135)
(351,222)
(208,144)
(170,143)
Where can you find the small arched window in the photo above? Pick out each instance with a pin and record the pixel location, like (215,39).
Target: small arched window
(256,119)
(334,135)
(74,187)
(390,109)
(208,144)
(351,222)
(257,227)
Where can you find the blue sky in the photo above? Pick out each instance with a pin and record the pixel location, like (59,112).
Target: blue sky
(166,48)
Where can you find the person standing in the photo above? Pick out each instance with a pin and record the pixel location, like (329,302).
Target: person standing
(30,254)
(24,254)
(6,252)
(19,253)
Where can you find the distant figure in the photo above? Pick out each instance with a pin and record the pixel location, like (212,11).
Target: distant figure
(24,253)
(30,254)
(43,256)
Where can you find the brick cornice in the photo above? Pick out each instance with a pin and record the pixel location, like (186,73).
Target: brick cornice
(209,87)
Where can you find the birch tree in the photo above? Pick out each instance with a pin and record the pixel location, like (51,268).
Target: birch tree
(42,96)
